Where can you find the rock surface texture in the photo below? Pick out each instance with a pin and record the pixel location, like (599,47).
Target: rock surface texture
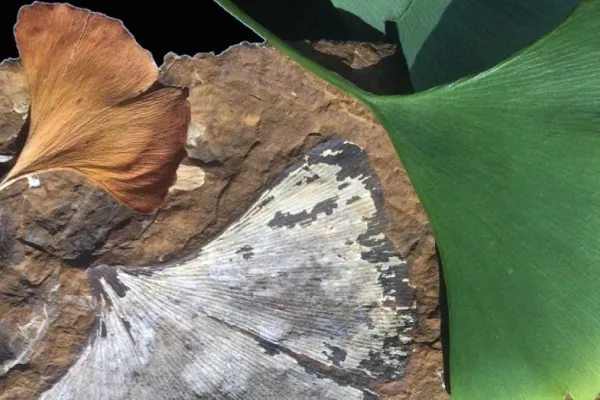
(254,113)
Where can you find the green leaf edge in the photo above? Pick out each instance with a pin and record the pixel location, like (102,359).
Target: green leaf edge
(294,54)
(413,107)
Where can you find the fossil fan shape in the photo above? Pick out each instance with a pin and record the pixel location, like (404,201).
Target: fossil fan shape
(304,297)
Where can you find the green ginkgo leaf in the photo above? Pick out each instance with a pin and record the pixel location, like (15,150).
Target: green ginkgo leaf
(507,166)
(442,40)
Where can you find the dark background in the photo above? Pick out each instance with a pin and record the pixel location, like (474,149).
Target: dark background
(183,27)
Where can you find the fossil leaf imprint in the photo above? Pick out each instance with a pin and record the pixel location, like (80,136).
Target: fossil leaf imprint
(94,109)
(302,298)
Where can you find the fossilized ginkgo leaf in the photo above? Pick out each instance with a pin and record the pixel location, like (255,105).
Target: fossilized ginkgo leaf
(91,107)
(304,297)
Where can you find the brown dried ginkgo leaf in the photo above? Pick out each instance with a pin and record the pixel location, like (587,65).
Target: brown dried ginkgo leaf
(93,107)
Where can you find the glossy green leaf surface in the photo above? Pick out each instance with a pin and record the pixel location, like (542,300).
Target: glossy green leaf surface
(442,40)
(507,165)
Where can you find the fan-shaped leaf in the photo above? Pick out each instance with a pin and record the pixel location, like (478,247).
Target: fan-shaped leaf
(442,40)
(507,165)
(91,110)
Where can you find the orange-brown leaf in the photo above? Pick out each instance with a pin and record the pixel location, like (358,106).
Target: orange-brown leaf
(91,110)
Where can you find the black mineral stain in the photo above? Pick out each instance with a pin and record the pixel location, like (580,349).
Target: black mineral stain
(353,199)
(354,378)
(265,202)
(337,355)
(311,179)
(109,274)
(377,365)
(380,250)
(147,271)
(103,332)
(127,326)
(6,352)
(308,180)
(289,220)
(270,348)
(354,164)
(325,206)
(351,159)
(385,362)
(246,252)
(382,254)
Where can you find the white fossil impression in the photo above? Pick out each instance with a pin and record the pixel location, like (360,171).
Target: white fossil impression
(302,298)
